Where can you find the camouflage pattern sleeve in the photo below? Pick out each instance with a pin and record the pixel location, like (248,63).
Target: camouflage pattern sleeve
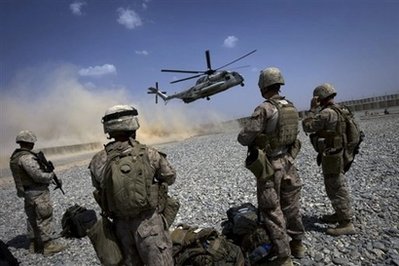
(253,127)
(30,164)
(164,172)
(326,119)
(96,168)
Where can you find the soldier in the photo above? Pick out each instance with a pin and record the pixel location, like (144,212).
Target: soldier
(32,183)
(140,228)
(273,128)
(325,123)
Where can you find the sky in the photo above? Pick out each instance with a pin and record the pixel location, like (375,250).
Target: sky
(62,63)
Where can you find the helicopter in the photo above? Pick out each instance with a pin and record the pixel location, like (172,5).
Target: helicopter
(210,82)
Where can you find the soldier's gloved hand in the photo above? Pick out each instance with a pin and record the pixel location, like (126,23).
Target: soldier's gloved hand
(314,103)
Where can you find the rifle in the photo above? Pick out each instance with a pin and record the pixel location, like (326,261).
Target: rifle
(48,167)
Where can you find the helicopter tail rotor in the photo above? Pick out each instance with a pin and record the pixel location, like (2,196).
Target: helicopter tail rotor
(157,92)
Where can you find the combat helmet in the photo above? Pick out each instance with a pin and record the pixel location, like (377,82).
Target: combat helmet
(120,118)
(270,76)
(324,91)
(26,136)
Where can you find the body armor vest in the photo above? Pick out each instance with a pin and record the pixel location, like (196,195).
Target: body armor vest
(21,178)
(286,129)
(334,139)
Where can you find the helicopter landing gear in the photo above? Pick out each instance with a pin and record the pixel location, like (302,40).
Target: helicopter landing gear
(208,98)
(242,84)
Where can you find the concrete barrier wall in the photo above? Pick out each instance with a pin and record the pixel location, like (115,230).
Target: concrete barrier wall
(366,104)
(72,148)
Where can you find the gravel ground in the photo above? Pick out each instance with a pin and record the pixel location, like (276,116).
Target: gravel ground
(212,178)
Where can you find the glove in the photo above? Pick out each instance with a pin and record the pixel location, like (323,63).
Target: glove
(314,103)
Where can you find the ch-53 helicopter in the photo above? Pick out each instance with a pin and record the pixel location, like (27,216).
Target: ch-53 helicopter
(210,82)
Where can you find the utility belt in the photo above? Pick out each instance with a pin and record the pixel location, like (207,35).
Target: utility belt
(321,144)
(140,215)
(35,189)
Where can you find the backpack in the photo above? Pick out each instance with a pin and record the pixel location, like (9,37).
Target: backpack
(76,221)
(203,247)
(244,218)
(353,135)
(6,257)
(243,227)
(128,181)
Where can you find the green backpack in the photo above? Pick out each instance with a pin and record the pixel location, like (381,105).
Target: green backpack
(128,181)
(204,247)
(353,135)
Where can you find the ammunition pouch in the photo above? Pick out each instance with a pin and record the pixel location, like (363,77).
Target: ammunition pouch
(332,163)
(171,209)
(334,142)
(295,148)
(258,163)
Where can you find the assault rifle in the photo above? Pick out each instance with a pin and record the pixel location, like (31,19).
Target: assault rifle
(48,167)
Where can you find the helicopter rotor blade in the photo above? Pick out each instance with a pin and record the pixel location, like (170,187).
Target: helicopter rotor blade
(182,71)
(236,60)
(239,67)
(208,59)
(192,77)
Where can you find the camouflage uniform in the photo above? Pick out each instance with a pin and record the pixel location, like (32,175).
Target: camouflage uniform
(279,196)
(331,160)
(32,184)
(144,239)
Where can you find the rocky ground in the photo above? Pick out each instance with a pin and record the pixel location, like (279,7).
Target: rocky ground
(212,178)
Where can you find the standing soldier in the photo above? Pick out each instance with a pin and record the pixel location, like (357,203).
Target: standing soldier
(272,130)
(32,183)
(325,122)
(127,176)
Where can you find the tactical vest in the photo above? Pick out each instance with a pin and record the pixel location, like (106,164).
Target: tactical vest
(128,181)
(21,178)
(334,139)
(286,130)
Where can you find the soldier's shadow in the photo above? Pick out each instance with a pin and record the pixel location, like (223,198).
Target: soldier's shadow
(312,223)
(19,242)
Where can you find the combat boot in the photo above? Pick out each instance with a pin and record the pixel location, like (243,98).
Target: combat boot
(51,247)
(343,228)
(330,218)
(297,249)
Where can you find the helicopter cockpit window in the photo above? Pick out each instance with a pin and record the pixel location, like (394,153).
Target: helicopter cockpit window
(201,80)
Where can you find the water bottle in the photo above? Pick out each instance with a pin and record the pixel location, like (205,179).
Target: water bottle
(260,252)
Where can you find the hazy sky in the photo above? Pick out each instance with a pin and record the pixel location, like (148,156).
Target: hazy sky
(116,49)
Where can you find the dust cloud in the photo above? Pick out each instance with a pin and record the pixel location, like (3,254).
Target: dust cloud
(62,110)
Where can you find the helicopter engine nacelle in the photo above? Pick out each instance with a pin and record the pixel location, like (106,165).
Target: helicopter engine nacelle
(218,76)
